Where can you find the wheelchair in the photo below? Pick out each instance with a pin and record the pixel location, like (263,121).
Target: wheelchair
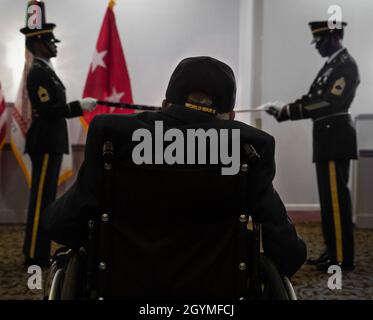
(167,251)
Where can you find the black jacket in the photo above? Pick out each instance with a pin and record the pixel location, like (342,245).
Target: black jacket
(48,130)
(327,104)
(66,219)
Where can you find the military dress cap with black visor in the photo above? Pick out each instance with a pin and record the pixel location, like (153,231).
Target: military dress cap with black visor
(47,137)
(320,29)
(34,32)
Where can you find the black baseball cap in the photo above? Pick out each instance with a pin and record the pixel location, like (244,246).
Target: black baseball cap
(207,75)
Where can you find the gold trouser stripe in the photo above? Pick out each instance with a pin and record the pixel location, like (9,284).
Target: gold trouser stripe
(35,226)
(336,211)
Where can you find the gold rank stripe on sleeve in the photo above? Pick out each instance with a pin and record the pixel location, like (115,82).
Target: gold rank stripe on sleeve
(339,86)
(316,106)
(43,94)
(39,198)
(336,211)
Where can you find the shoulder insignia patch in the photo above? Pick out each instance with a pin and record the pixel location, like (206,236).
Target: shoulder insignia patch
(43,94)
(338,87)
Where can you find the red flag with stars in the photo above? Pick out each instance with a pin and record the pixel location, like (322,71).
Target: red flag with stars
(108,78)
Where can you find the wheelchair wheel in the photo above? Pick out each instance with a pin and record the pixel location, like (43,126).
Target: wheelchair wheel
(65,278)
(273,285)
(56,285)
(72,289)
(289,288)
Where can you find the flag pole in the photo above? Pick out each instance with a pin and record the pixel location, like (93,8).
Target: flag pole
(112,3)
(121,105)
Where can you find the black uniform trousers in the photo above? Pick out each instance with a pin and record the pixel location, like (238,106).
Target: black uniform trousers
(336,209)
(45,173)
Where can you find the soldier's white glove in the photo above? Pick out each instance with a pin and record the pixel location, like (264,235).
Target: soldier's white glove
(277,105)
(88,104)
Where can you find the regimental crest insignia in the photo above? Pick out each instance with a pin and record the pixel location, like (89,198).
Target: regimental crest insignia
(338,87)
(43,94)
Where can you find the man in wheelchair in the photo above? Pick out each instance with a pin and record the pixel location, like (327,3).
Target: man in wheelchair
(179,231)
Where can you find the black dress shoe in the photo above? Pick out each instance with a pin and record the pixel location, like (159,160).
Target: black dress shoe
(324,266)
(322,258)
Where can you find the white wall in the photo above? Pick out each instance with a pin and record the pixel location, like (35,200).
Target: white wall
(289,66)
(155,34)
(245,79)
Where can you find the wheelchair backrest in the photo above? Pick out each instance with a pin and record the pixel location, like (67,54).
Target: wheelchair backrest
(171,232)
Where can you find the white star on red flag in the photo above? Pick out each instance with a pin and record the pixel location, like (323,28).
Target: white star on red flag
(115,96)
(98,60)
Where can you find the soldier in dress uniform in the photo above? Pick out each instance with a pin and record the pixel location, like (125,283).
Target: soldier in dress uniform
(334,140)
(47,137)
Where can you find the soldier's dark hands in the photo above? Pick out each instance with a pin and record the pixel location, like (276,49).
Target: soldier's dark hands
(273,111)
(279,111)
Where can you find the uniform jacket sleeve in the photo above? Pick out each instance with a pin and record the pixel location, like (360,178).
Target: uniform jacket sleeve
(281,242)
(328,95)
(45,96)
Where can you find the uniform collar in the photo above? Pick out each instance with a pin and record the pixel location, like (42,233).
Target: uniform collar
(47,62)
(49,68)
(334,55)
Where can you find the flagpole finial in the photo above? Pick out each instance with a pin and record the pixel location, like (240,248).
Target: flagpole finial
(111,4)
